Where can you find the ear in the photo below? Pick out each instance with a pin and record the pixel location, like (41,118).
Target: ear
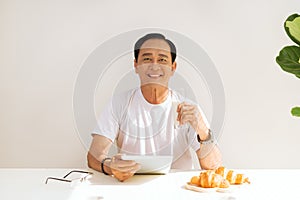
(174,66)
(135,65)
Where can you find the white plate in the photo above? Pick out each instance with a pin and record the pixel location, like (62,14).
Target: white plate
(196,188)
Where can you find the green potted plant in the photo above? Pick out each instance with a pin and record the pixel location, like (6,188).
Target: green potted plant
(289,57)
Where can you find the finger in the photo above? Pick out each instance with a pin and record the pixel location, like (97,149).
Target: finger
(118,156)
(184,104)
(125,163)
(187,107)
(122,176)
(117,160)
(188,118)
(122,169)
(125,169)
(191,111)
(186,114)
(179,106)
(178,116)
(136,168)
(185,119)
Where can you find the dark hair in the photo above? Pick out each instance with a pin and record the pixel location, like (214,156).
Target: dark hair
(149,36)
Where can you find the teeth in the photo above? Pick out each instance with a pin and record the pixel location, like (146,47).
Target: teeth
(154,75)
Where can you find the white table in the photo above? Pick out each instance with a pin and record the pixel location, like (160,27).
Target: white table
(30,184)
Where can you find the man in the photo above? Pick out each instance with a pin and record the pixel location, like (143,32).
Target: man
(141,121)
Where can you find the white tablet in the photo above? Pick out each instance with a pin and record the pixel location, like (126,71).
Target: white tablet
(151,164)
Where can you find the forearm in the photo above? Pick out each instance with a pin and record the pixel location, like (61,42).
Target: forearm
(209,153)
(98,151)
(95,163)
(209,156)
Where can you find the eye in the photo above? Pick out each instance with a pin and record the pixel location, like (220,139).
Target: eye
(146,59)
(163,60)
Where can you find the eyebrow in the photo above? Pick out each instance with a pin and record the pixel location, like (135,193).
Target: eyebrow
(150,54)
(147,54)
(163,55)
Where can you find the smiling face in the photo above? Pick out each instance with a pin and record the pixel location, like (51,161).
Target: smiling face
(154,63)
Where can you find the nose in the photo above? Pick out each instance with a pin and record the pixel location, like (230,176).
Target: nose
(155,66)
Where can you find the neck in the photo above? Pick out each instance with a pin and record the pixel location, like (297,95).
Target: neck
(154,93)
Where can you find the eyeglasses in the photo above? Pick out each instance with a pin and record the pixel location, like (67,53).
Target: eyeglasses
(82,178)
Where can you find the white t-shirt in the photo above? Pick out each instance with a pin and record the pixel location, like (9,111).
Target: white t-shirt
(140,128)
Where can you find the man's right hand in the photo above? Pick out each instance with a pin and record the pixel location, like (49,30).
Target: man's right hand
(120,169)
(123,169)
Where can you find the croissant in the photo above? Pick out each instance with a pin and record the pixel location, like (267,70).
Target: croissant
(231,176)
(209,179)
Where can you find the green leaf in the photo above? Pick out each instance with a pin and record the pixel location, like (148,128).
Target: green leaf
(292,27)
(296,111)
(288,59)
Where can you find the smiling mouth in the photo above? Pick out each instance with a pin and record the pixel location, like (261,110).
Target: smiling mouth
(154,75)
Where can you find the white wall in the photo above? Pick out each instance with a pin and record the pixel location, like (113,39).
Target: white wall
(44,43)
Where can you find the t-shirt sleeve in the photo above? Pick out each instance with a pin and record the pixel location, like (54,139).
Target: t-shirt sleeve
(107,123)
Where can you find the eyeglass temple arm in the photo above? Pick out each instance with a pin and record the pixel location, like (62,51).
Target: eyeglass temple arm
(76,171)
(58,179)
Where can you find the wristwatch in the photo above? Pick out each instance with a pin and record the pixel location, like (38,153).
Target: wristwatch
(209,140)
(102,165)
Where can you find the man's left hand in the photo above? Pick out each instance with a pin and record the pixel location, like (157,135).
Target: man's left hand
(188,113)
